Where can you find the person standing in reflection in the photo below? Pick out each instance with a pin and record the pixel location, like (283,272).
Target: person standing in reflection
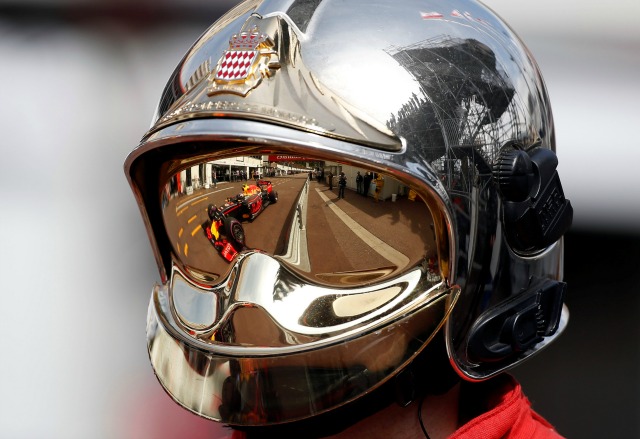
(366,183)
(214,177)
(342,183)
(379,186)
(330,177)
(359,182)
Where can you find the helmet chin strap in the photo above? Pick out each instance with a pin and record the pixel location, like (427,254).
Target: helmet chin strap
(424,429)
(429,374)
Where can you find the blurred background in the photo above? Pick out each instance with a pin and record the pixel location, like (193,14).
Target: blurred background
(81,81)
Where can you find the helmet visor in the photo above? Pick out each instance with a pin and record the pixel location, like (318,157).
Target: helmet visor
(320,276)
(334,224)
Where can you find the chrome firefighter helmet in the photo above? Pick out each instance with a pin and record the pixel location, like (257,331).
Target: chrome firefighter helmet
(331,298)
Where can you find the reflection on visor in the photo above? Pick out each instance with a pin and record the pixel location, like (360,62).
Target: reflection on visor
(297,284)
(331,223)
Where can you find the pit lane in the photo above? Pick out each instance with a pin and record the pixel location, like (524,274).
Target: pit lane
(348,235)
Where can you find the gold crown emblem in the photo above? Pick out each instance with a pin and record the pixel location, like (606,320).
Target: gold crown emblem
(247,40)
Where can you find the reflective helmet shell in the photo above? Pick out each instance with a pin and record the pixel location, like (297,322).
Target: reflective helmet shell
(434,92)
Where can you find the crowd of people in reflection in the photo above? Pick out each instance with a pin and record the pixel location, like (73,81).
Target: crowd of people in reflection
(363,182)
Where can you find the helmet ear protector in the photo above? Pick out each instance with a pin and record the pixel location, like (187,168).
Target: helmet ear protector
(519,323)
(535,211)
(535,214)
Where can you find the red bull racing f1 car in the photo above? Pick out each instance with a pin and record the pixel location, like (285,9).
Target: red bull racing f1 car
(224,228)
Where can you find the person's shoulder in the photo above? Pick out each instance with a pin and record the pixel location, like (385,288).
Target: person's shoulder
(499,405)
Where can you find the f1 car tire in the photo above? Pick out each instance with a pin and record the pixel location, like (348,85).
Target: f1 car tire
(235,233)
(273,197)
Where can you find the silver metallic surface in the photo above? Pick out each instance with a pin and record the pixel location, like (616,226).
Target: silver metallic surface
(303,365)
(299,316)
(423,92)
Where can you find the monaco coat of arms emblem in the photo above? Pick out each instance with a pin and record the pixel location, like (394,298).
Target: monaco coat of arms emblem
(250,58)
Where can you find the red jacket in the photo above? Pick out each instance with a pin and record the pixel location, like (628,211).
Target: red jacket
(506,414)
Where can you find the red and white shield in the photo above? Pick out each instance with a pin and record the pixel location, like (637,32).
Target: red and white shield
(242,67)
(236,65)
